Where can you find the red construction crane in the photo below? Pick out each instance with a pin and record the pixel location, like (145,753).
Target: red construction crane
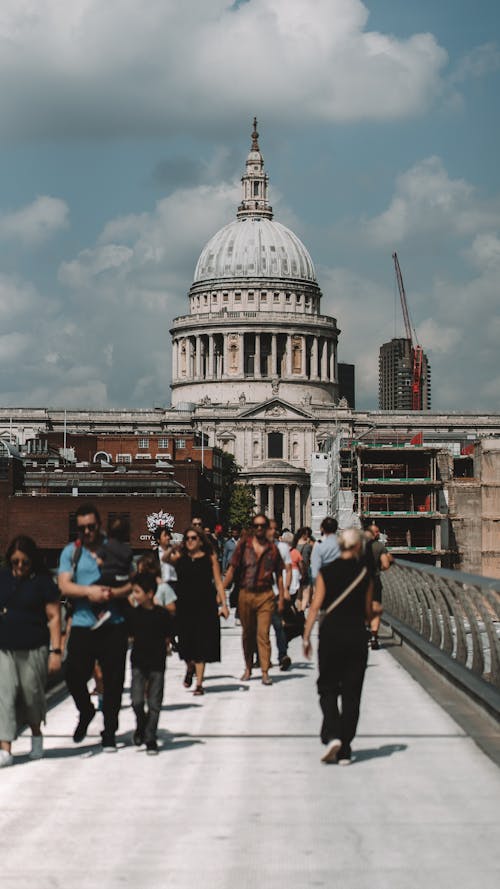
(416,350)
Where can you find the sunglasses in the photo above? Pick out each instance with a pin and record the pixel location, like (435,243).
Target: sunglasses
(82,528)
(259,525)
(20,562)
(191,537)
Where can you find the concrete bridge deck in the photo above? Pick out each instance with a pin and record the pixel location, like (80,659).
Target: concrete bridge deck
(238,798)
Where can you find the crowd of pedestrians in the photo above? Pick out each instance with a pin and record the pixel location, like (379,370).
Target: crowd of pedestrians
(172,601)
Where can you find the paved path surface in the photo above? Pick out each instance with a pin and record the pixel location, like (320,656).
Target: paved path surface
(238,798)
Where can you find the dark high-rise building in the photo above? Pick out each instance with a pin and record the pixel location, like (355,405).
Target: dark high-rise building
(346,380)
(395,377)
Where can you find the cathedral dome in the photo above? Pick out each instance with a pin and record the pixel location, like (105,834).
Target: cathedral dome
(254,247)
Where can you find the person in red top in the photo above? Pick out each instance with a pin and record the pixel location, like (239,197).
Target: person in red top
(255,561)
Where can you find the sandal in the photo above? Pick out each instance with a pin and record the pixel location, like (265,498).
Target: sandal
(188,678)
(199,690)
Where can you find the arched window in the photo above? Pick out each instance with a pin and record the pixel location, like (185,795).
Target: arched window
(275,445)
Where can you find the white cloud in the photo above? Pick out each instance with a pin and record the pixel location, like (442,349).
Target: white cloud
(438,338)
(91,263)
(484,251)
(111,68)
(480,61)
(36,222)
(428,202)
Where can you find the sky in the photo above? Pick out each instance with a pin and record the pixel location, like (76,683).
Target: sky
(124,129)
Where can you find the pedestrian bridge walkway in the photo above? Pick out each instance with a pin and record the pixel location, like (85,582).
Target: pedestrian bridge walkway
(238,798)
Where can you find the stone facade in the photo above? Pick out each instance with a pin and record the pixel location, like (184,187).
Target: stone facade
(255,355)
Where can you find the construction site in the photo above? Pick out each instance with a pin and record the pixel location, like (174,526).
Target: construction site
(404,369)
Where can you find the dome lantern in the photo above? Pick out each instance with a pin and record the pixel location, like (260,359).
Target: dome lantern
(255,183)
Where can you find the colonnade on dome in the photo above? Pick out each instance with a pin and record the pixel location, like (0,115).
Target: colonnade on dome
(254,355)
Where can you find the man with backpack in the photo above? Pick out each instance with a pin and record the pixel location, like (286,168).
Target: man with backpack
(79,581)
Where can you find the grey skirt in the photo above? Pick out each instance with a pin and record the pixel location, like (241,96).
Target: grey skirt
(23,678)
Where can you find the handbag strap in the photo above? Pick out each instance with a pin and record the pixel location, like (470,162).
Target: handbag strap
(357,580)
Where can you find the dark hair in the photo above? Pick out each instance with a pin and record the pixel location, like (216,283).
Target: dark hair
(87,508)
(150,563)
(206,544)
(261,515)
(300,533)
(147,582)
(27,546)
(329,525)
(159,531)
(117,529)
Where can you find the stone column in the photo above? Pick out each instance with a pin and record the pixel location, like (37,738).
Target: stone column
(241,362)
(307,509)
(197,363)
(437,536)
(287,519)
(210,356)
(175,359)
(298,510)
(258,498)
(324,356)
(314,358)
(332,361)
(274,355)
(256,359)
(289,355)
(225,356)
(191,362)
(303,364)
(270,501)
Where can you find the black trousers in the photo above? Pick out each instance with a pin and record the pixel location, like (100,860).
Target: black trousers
(147,722)
(107,645)
(342,665)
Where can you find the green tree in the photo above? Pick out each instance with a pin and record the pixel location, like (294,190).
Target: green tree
(230,470)
(241,506)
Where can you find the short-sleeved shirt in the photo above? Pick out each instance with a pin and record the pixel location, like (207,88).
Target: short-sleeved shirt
(87,573)
(374,550)
(256,572)
(324,551)
(23,619)
(149,628)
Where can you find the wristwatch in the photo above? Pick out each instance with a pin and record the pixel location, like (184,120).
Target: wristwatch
(55,651)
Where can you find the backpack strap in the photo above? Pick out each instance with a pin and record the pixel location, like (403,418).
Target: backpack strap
(75,558)
(346,592)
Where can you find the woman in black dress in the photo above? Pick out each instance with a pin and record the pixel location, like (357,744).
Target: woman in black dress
(199,592)
(343,649)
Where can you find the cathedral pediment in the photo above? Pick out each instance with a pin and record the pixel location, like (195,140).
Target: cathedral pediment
(275,407)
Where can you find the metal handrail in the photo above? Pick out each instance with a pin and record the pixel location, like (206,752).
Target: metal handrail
(453,617)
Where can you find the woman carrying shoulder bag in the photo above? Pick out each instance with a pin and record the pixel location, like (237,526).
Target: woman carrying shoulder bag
(344,592)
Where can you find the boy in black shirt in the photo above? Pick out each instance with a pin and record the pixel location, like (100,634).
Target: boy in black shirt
(149,625)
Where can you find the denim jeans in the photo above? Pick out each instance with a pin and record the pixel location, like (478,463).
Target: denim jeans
(280,634)
(147,721)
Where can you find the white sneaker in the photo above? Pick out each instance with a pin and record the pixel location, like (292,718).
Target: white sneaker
(36,747)
(6,758)
(331,754)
